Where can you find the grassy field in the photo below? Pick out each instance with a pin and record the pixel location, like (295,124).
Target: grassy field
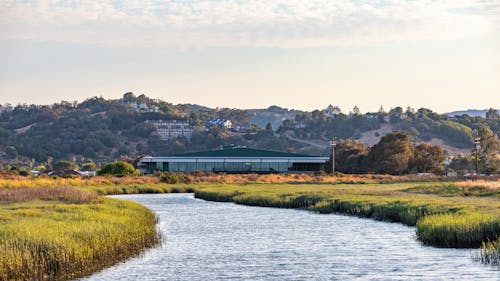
(59,232)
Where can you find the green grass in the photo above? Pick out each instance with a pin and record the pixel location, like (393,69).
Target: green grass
(442,219)
(68,235)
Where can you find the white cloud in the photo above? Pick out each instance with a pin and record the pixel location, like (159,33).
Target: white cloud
(203,23)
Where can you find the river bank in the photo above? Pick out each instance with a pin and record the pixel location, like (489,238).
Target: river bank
(61,233)
(60,228)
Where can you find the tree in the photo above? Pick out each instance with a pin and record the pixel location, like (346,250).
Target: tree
(350,157)
(462,164)
(490,144)
(391,155)
(269,127)
(356,111)
(492,114)
(65,165)
(129,96)
(11,152)
(118,168)
(428,158)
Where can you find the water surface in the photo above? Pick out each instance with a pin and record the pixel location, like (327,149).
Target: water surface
(224,241)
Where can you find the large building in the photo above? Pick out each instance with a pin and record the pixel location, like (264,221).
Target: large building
(171,129)
(235,159)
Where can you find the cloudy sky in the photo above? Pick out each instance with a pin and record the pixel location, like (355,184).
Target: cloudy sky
(443,55)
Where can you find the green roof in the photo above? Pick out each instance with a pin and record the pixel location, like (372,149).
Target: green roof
(242,152)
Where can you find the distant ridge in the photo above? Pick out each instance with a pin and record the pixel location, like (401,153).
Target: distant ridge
(470,112)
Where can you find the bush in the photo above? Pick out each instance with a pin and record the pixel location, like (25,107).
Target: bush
(173,178)
(118,168)
(65,165)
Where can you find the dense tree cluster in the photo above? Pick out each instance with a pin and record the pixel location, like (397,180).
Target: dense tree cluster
(394,154)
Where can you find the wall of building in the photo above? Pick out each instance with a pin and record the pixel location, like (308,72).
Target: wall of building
(233,166)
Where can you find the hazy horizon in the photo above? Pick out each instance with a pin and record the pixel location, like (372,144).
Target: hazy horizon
(441,55)
(344,110)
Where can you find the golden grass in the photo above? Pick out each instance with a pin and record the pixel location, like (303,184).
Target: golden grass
(60,233)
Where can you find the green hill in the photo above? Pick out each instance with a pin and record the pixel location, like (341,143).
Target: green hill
(104,130)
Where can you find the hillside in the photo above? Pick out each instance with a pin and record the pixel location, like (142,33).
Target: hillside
(104,130)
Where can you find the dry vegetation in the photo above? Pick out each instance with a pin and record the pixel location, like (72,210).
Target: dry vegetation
(56,193)
(61,232)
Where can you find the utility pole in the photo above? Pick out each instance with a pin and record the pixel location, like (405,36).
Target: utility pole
(477,147)
(333,143)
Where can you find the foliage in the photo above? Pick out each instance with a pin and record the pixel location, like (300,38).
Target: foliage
(427,158)
(65,165)
(391,155)
(11,152)
(173,178)
(89,166)
(350,157)
(118,168)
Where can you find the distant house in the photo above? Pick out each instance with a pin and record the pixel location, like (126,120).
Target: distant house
(300,125)
(371,115)
(331,111)
(241,128)
(141,106)
(73,173)
(171,129)
(219,123)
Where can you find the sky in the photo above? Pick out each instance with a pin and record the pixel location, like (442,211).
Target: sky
(441,55)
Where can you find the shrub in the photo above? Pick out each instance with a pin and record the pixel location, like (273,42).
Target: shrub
(173,178)
(65,165)
(118,168)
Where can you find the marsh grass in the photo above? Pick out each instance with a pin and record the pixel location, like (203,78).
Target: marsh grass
(56,193)
(490,253)
(458,230)
(469,188)
(60,233)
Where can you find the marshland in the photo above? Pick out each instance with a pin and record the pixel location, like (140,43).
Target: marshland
(63,228)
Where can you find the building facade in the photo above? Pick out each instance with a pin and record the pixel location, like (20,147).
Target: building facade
(235,159)
(171,129)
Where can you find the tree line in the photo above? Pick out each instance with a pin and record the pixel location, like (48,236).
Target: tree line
(395,154)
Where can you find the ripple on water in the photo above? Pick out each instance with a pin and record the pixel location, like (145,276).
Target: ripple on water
(225,241)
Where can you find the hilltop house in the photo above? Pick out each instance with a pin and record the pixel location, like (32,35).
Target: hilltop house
(224,124)
(170,129)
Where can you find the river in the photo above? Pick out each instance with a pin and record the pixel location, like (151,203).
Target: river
(224,241)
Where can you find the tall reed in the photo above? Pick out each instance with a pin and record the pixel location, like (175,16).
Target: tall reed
(50,240)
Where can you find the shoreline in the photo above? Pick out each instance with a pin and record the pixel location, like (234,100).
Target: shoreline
(62,239)
(445,214)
